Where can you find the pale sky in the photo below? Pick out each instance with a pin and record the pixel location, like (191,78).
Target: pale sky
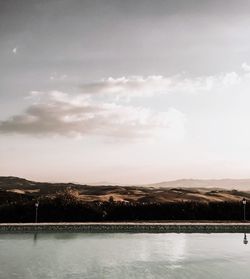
(124,91)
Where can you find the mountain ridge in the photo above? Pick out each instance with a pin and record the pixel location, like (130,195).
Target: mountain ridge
(223,183)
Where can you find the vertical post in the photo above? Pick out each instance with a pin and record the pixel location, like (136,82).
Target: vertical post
(244,202)
(36,206)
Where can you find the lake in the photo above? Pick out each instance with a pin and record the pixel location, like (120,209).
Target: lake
(123,255)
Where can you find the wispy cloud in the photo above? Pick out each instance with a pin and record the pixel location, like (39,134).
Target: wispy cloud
(56,113)
(139,86)
(245,67)
(57,77)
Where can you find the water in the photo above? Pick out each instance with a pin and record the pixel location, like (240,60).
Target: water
(75,255)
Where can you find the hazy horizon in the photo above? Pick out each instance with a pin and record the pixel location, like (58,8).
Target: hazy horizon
(128,92)
(233,183)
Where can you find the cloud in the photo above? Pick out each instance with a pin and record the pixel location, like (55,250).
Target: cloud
(245,67)
(138,86)
(134,86)
(57,77)
(15,50)
(57,113)
(82,114)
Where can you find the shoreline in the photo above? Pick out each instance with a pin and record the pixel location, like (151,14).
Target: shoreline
(127,227)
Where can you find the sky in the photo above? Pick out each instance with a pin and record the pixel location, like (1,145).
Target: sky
(127,92)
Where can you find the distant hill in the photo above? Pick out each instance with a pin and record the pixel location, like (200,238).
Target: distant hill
(172,191)
(11,182)
(238,184)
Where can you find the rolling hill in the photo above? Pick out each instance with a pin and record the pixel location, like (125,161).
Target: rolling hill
(166,192)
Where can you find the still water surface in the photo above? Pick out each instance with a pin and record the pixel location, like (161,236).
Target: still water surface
(75,255)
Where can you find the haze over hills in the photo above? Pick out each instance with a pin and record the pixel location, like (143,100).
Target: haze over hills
(226,183)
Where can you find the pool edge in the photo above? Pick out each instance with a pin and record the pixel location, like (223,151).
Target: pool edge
(131,227)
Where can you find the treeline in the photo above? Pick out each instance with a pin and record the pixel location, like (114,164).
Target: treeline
(68,207)
(51,211)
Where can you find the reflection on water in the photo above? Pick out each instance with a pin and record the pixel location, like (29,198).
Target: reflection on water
(74,255)
(35,238)
(245,241)
(53,236)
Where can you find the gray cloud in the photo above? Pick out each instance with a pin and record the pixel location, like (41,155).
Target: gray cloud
(58,114)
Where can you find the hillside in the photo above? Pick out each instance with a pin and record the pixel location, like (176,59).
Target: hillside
(166,192)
